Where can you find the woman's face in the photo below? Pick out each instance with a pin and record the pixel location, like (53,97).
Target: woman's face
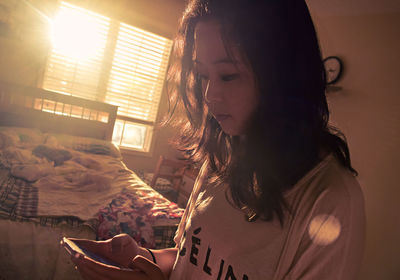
(228,84)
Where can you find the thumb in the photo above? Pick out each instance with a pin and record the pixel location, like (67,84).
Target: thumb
(121,242)
(149,268)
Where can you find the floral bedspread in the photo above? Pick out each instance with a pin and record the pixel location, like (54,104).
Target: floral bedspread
(135,213)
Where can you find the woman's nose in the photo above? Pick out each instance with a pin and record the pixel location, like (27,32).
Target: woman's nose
(212,92)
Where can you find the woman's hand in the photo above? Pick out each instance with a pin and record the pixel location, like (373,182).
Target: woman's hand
(120,249)
(140,269)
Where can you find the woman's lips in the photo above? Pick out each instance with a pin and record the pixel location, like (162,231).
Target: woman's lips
(222,117)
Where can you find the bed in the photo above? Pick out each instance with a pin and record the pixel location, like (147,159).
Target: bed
(60,175)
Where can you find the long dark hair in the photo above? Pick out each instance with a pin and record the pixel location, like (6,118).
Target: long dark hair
(290,128)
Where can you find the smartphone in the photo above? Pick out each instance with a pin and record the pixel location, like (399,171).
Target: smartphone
(74,248)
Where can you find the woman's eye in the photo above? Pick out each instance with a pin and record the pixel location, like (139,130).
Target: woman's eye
(230,77)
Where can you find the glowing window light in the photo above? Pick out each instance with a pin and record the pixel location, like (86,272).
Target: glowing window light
(78,33)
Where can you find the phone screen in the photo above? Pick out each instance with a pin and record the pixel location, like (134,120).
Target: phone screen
(73,248)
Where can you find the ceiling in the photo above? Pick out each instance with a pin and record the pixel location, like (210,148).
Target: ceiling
(352,7)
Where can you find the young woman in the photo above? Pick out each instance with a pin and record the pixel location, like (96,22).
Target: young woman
(276,197)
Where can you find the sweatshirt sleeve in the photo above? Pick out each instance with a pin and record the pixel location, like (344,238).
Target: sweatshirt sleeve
(332,242)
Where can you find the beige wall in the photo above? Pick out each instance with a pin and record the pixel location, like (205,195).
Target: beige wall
(367,109)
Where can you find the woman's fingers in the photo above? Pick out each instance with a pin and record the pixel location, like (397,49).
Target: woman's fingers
(120,249)
(124,248)
(92,270)
(98,247)
(122,242)
(152,270)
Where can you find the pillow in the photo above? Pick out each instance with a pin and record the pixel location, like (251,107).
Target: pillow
(20,137)
(84,144)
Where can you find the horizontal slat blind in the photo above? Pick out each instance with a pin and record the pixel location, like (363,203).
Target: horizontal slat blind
(138,72)
(74,66)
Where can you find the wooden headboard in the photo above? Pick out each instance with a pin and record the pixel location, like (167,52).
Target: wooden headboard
(55,112)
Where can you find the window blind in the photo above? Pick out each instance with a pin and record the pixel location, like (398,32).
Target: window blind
(138,72)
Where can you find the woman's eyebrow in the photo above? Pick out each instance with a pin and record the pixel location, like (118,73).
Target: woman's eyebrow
(226,60)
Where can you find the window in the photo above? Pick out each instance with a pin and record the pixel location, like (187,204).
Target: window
(99,58)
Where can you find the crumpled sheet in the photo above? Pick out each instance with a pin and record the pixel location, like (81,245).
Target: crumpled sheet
(78,187)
